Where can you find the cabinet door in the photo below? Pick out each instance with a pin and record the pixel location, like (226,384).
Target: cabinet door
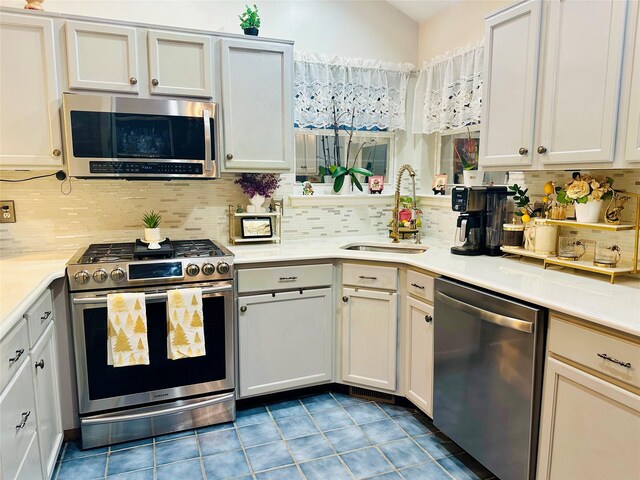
(285,340)
(45,365)
(630,135)
(179,64)
(580,81)
(590,428)
(510,66)
(257,101)
(29,98)
(369,338)
(102,57)
(30,469)
(420,354)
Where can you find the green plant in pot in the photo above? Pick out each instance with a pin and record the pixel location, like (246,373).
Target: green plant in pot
(151,221)
(250,20)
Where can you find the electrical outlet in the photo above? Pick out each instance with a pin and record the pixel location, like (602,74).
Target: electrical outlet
(7,211)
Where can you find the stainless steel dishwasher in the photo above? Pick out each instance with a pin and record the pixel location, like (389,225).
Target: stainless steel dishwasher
(489,353)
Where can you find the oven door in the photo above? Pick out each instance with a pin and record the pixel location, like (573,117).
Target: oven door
(103,387)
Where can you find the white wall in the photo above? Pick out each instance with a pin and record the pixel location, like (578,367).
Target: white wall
(370,28)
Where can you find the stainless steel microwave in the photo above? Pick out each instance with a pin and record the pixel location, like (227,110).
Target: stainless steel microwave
(139,138)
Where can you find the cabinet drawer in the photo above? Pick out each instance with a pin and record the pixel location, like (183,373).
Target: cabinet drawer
(584,346)
(370,276)
(284,278)
(39,316)
(18,409)
(420,285)
(14,348)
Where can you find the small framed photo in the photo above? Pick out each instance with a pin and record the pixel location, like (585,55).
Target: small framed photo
(439,184)
(256,227)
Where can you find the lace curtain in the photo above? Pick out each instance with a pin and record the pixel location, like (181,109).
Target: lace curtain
(376,89)
(449,91)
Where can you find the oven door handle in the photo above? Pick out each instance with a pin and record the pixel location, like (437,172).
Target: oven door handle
(151,413)
(148,296)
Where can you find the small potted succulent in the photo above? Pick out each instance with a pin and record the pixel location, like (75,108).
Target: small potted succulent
(250,20)
(258,186)
(151,220)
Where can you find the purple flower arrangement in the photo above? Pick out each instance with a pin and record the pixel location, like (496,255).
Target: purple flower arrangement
(258,184)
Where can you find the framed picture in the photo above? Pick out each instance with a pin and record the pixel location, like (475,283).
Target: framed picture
(256,227)
(439,183)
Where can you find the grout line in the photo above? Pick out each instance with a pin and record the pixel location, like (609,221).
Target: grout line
(242,447)
(200,459)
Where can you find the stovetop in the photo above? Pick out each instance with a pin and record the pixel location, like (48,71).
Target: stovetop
(118,265)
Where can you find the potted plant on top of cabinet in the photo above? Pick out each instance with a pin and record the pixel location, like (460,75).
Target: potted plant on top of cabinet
(250,20)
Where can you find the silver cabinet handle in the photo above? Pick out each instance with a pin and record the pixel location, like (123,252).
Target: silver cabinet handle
(364,277)
(155,82)
(17,357)
(133,80)
(23,422)
(486,315)
(46,315)
(421,287)
(614,360)
(288,279)
(208,161)
(40,364)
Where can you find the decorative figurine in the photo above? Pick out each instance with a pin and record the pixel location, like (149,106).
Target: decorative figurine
(615,207)
(376,184)
(239,209)
(307,188)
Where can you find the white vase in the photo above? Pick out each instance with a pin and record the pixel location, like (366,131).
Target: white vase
(346,187)
(472,178)
(256,204)
(152,237)
(588,212)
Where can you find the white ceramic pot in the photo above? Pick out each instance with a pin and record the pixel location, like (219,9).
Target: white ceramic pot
(256,204)
(472,178)
(152,235)
(346,187)
(588,212)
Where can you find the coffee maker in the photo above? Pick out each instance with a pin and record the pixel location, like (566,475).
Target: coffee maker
(496,216)
(471,202)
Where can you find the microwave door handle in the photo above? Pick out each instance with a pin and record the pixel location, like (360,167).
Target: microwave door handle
(208,161)
(148,296)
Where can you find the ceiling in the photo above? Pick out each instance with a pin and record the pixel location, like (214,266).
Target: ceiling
(420,10)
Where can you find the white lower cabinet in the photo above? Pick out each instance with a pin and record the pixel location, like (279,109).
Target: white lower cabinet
(419,343)
(285,340)
(30,469)
(369,338)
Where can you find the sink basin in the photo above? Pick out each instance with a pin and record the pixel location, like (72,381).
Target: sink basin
(385,248)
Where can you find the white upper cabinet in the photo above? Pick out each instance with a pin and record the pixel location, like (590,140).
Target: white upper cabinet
(629,134)
(552,84)
(179,64)
(102,57)
(511,58)
(29,98)
(581,67)
(257,101)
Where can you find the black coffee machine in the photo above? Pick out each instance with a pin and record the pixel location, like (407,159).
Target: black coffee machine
(483,210)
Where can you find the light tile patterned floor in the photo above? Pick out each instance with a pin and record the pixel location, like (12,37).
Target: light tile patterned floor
(329,436)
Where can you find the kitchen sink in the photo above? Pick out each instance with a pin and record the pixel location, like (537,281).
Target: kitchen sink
(385,248)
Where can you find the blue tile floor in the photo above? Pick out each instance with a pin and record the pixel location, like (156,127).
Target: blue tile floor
(329,436)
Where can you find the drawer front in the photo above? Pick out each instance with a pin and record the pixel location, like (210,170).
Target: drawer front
(14,348)
(18,420)
(420,285)
(370,276)
(588,348)
(39,316)
(284,278)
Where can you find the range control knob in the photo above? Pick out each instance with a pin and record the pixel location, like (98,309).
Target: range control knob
(100,275)
(208,269)
(223,267)
(117,275)
(193,269)
(82,277)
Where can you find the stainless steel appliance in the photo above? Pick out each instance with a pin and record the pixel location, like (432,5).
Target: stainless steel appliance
(496,217)
(489,353)
(126,403)
(139,138)
(471,203)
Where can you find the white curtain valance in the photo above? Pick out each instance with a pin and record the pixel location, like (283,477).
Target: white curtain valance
(449,91)
(376,89)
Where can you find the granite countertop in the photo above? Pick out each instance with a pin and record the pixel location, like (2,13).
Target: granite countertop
(587,296)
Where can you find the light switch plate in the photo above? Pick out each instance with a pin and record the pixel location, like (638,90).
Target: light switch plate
(7,211)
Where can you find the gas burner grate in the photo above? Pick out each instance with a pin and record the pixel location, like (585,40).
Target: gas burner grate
(196,248)
(107,253)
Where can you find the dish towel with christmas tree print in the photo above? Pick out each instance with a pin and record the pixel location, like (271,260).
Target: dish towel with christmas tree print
(127,330)
(185,330)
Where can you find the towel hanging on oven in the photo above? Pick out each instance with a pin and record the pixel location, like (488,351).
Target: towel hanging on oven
(185,329)
(127,342)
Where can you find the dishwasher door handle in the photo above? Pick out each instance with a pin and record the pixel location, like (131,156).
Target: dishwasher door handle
(488,316)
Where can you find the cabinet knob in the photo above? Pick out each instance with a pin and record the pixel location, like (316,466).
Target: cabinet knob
(57,153)
(229,156)
(523,151)
(345,299)
(243,309)
(542,150)
(155,82)
(133,80)
(428,318)
(40,364)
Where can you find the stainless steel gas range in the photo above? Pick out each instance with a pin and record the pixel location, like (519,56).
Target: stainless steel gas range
(127,403)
